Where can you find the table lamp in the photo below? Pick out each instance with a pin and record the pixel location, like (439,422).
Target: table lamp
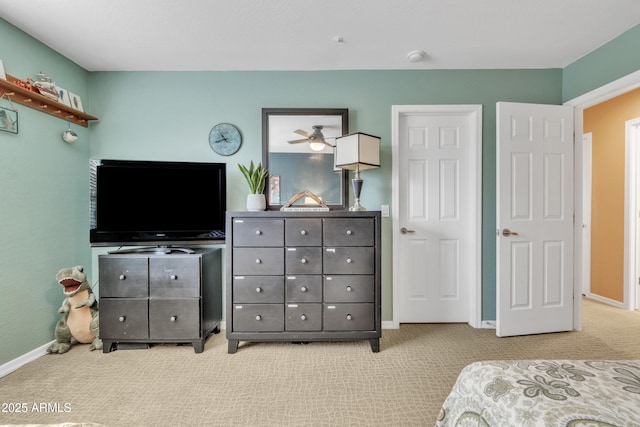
(357,151)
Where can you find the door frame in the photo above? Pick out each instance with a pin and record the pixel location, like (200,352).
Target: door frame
(474,112)
(580,103)
(587,157)
(631,209)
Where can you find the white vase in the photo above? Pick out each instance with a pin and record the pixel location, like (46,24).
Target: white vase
(256,202)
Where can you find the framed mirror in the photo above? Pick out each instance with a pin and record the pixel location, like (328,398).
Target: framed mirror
(297,148)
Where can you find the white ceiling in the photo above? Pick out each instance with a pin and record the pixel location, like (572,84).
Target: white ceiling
(108,35)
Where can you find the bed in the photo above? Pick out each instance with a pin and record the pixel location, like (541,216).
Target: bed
(569,393)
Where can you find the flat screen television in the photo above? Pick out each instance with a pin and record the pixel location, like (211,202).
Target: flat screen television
(157,203)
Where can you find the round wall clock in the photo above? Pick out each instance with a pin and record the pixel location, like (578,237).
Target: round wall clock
(225,139)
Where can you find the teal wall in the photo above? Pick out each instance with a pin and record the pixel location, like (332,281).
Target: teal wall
(168,116)
(610,62)
(44,204)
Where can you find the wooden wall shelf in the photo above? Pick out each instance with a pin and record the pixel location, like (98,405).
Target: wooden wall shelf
(34,100)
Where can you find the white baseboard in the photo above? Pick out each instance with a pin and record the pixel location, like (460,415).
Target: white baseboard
(606,300)
(389,324)
(488,324)
(11,366)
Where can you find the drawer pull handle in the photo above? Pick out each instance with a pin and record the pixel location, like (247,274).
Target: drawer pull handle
(122,318)
(303,289)
(258,289)
(349,232)
(349,260)
(303,260)
(258,261)
(173,318)
(173,277)
(258,317)
(258,232)
(349,289)
(349,317)
(303,232)
(303,317)
(122,277)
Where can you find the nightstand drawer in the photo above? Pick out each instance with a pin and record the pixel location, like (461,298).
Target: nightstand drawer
(356,288)
(170,318)
(303,260)
(303,232)
(258,232)
(258,289)
(123,277)
(258,261)
(174,277)
(348,317)
(348,232)
(304,288)
(258,317)
(124,318)
(303,317)
(349,260)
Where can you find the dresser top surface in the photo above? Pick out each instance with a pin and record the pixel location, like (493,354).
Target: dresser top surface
(305,214)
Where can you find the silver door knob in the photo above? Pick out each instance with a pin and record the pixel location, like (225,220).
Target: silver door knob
(506,233)
(404,230)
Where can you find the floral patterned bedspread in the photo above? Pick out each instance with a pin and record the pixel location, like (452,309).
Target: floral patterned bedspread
(571,393)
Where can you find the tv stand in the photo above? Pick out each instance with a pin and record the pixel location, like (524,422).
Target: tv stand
(159,298)
(157,250)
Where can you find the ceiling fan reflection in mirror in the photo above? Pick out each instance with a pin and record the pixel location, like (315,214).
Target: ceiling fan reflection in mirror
(316,139)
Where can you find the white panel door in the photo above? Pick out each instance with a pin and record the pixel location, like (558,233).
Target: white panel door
(534,219)
(437,216)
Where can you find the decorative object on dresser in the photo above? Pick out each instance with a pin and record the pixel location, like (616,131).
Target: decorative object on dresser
(164,297)
(357,151)
(256,178)
(303,276)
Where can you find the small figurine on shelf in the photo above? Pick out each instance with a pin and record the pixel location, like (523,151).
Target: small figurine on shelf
(46,86)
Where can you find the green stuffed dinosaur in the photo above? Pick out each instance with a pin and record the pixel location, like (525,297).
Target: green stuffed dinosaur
(79,322)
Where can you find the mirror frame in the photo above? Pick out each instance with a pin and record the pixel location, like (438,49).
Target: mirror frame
(268,112)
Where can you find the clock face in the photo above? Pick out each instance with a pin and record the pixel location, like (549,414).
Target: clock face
(225,139)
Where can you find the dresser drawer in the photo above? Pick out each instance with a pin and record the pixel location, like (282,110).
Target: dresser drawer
(356,288)
(348,317)
(124,277)
(124,318)
(258,317)
(303,317)
(258,289)
(349,260)
(303,232)
(171,318)
(304,288)
(303,260)
(258,232)
(258,261)
(174,277)
(348,231)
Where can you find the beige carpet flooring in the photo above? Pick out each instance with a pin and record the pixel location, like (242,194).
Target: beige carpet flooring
(284,384)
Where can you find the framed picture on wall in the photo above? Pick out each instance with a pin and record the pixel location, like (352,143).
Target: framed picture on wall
(3,76)
(75,101)
(8,120)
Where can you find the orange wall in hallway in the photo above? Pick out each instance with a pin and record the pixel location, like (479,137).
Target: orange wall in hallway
(606,122)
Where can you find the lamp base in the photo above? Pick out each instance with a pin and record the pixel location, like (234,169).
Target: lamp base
(356,206)
(357,188)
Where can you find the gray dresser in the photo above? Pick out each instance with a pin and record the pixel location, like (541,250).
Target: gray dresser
(303,276)
(159,298)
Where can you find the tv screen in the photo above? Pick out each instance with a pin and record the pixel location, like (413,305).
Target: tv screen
(156,203)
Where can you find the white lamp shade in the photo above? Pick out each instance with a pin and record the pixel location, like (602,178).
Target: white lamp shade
(357,151)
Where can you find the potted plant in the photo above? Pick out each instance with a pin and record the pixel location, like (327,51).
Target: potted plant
(256,178)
